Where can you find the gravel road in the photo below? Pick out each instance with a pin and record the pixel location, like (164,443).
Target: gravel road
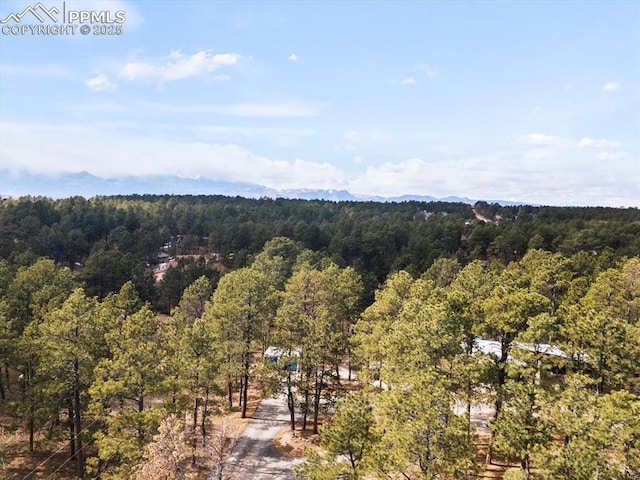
(253,456)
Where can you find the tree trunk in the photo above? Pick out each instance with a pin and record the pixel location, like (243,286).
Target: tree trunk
(247,364)
(27,375)
(468,414)
(230,393)
(488,459)
(502,373)
(602,364)
(174,390)
(77,407)
(291,404)
(32,428)
(318,394)
(526,467)
(140,423)
(203,427)
(72,430)
(305,410)
(245,393)
(194,441)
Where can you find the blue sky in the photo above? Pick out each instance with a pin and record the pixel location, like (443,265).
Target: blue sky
(529,101)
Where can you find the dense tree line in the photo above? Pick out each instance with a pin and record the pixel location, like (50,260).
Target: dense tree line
(114,238)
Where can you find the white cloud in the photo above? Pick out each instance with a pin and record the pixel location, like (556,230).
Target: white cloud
(100,83)
(409,81)
(539,152)
(177,66)
(562,173)
(611,86)
(379,142)
(539,138)
(292,58)
(587,142)
(611,156)
(67,148)
(556,181)
(353,140)
(429,70)
(101,106)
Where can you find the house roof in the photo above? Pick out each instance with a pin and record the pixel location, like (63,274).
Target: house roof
(493,347)
(277,352)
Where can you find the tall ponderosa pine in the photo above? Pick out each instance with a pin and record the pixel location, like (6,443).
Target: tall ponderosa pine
(311,319)
(276,262)
(377,320)
(34,292)
(603,331)
(238,310)
(508,311)
(125,381)
(193,360)
(70,341)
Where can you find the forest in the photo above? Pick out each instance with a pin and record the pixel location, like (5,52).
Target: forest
(104,358)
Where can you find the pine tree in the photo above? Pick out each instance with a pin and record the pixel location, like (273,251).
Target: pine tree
(124,383)
(239,307)
(315,307)
(69,344)
(346,441)
(420,436)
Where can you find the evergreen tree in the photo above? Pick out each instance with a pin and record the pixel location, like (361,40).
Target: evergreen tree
(311,319)
(69,344)
(346,442)
(420,436)
(124,384)
(238,310)
(377,320)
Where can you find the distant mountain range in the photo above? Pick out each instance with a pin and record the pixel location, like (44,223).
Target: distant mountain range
(84,184)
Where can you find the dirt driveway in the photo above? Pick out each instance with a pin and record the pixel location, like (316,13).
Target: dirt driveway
(254,457)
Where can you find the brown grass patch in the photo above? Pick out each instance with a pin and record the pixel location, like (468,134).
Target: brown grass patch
(50,459)
(294,446)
